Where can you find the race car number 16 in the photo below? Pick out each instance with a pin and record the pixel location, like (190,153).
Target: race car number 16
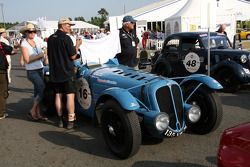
(84,93)
(192,62)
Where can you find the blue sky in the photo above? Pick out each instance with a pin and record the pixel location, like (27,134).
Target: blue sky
(23,10)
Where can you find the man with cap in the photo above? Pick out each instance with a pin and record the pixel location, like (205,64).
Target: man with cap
(3,38)
(61,54)
(129,43)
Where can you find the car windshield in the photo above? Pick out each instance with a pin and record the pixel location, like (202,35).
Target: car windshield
(218,42)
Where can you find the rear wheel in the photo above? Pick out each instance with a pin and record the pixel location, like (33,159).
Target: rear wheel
(211,110)
(228,80)
(121,130)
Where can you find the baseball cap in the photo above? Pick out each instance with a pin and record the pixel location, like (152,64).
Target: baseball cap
(128,19)
(65,20)
(2,30)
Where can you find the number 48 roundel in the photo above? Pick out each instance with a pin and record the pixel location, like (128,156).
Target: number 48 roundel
(192,62)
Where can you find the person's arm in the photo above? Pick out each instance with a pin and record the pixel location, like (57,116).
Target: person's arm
(77,47)
(8,50)
(29,59)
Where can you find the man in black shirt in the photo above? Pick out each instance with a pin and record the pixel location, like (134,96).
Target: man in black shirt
(129,43)
(61,54)
(4,50)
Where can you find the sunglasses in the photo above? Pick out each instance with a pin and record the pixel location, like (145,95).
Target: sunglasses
(31,32)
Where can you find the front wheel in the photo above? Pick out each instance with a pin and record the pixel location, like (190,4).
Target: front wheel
(211,110)
(228,80)
(121,130)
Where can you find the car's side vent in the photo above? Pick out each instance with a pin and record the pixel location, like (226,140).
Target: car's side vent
(133,76)
(168,104)
(141,78)
(127,74)
(116,70)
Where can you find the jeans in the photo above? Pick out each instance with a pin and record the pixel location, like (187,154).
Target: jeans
(37,79)
(3,91)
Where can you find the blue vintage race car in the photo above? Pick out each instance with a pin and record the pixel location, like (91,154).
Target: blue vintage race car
(125,101)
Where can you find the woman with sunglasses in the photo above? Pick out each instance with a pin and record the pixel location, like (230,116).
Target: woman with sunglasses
(33,57)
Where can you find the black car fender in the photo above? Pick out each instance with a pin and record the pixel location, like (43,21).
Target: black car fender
(161,60)
(231,65)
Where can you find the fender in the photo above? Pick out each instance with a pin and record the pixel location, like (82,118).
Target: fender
(236,68)
(123,96)
(161,60)
(207,80)
(156,59)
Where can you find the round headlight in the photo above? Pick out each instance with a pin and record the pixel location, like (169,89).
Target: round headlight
(243,58)
(161,121)
(194,114)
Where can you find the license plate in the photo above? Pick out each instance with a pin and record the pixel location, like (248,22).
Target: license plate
(170,133)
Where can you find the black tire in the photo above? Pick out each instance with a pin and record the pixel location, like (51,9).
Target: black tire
(163,69)
(48,102)
(228,80)
(211,110)
(121,130)
(248,37)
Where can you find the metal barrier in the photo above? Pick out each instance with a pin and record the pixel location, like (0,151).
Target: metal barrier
(155,44)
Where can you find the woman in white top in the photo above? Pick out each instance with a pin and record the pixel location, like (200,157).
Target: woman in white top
(33,57)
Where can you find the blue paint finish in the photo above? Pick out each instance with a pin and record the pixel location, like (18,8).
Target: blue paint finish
(209,81)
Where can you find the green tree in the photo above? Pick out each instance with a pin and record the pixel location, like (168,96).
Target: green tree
(100,19)
(80,18)
(8,25)
(103,13)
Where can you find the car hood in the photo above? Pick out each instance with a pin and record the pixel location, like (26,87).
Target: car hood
(123,76)
(238,136)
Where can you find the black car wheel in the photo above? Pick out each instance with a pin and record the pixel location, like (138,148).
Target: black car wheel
(163,69)
(228,80)
(211,110)
(248,37)
(121,130)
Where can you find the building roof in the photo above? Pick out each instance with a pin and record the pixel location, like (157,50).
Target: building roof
(150,7)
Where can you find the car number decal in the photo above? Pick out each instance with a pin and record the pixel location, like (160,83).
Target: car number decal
(83,93)
(192,62)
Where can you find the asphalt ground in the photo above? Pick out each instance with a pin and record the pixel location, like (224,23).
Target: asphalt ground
(25,143)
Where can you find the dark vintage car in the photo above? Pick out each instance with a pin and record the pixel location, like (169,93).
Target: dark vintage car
(234,148)
(186,53)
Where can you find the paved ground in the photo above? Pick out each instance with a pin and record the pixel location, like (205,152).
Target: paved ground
(29,144)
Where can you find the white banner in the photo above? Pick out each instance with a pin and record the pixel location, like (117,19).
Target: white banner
(99,51)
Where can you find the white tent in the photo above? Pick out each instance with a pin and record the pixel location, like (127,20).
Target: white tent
(196,15)
(49,27)
(192,15)
(199,15)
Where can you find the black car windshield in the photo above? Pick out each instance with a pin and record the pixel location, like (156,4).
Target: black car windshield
(218,42)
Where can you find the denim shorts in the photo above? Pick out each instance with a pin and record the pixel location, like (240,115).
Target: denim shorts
(37,79)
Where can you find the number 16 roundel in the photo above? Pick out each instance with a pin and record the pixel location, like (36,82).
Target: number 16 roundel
(83,93)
